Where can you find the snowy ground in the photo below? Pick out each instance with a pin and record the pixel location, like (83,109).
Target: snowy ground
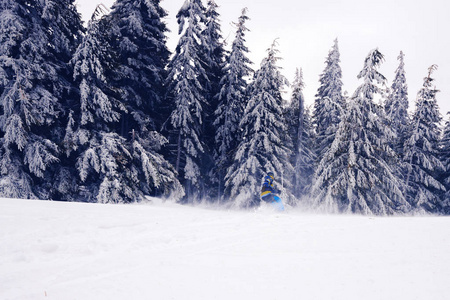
(56,250)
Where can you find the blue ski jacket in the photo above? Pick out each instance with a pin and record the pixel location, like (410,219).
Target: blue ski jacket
(267,189)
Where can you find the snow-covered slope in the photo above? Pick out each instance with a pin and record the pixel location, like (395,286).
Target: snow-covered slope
(56,250)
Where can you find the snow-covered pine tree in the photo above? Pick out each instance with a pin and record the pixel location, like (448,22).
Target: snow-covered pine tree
(329,102)
(186,93)
(214,54)
(213,63)
(232,102)
(445,159)
(65,33)
(100,154)
(111,168)
(301,132)
(421,152)
(354,175)
(261,148)
(396,107)
(34,48)
(138,36)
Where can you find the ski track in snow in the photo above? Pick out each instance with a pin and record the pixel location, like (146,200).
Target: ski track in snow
(57,250)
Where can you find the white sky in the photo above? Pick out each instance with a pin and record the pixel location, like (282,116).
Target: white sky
(306,30)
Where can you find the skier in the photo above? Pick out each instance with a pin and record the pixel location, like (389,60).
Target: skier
(269,193)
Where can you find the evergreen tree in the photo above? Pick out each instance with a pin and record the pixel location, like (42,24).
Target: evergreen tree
(329,102)
(65,28)
(301,132)
(422,150)
(99,153)
(187,96)
(111,168)
(33,78)
(445,159)
(232,101)
(213,63)
(261,148)
(355,173)
(396,106)
(138,36)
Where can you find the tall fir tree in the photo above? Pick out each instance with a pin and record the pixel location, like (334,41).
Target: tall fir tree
(396,109)
(111,168)
(214,62)
(34,51)
(445,159)
(138,36)
(396,106)
(422,150)
(261,148)
(355,174)
(301,132)
(97,152)
(66,31)
(186,93)
(329,102)
(232,102)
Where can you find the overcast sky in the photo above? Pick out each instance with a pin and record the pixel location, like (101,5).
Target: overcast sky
(307,29)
